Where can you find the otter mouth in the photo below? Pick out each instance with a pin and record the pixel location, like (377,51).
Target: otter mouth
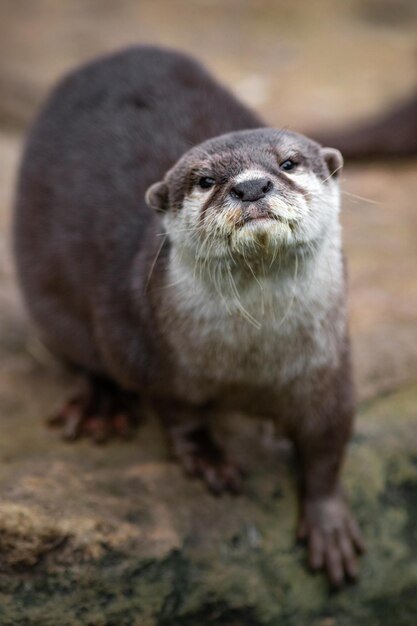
(256,216)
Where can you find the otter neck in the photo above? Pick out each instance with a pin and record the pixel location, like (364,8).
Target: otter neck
(230,282)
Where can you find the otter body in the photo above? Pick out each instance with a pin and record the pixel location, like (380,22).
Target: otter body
(85,238)
(276,336)
(173,248)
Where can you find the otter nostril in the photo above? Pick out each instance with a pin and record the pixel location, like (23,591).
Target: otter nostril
(237,193)
(267,187)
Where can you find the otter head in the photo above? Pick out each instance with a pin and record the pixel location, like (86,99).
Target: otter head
(250,195)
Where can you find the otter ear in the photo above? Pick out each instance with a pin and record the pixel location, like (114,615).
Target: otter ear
(333,159)
(156,197)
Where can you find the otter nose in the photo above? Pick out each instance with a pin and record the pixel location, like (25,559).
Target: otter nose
(251,190)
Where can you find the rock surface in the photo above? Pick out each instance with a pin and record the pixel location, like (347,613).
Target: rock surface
(115,535)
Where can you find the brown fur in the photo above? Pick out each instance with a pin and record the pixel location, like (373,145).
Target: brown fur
(180,315)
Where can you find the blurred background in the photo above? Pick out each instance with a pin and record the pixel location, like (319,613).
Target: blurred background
(304,65)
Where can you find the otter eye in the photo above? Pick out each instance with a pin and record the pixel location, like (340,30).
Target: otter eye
(206,182)
(287,165)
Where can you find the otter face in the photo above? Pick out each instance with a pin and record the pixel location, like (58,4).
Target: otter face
(249,194)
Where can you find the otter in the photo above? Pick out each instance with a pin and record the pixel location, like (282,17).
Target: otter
(177,250)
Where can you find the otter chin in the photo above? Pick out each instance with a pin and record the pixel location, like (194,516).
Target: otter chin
(260,237)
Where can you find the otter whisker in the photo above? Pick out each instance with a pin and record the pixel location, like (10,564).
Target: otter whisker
(239,304)
(333,173)
(218,269)
(154,263)
(274,256)
(355,196)
(178,230)
(287,312)
(251,270)
(173,284)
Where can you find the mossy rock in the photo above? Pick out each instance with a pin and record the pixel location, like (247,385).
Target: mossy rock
(117,536)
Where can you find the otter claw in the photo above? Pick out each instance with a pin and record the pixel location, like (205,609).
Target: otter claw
(333,538)
(99,412)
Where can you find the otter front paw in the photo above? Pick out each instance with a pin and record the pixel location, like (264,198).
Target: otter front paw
(99,410)
(333,538)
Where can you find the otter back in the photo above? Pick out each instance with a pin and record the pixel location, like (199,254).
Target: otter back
(107,132)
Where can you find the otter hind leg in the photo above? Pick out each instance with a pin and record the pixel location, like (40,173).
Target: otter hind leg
(202,457)
(99,410)
(195,448)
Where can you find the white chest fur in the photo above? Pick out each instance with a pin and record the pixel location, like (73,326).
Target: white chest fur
(268,334)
